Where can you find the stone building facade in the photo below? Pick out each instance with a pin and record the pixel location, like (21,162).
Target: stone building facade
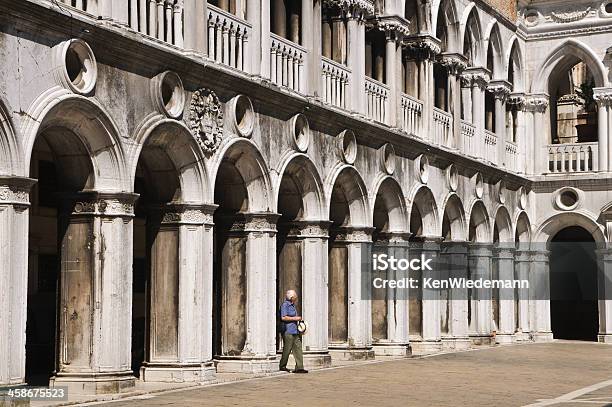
(169,168)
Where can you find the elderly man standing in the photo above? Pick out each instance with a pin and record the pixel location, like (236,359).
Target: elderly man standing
(292,341)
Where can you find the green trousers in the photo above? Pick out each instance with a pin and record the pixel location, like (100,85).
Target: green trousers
(292,344)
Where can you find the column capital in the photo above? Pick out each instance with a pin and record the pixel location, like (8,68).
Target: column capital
(15,190)
(477,76)
(355,9)
(422,46)
(306,228)
(504,252)
(98,203)
(500,88)
(189,214)
(516,99)
(392,237)
(352,234)
(603,96)
(477,249)
(536,103)
(394,27)
(454,63)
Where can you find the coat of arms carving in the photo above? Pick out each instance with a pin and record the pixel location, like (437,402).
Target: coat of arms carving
(206,119)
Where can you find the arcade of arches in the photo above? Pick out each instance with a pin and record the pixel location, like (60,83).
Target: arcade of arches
(143,238)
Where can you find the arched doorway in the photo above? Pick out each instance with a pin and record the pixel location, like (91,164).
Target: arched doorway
(573,285)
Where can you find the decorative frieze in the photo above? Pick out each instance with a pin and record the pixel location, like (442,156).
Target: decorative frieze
(206,119)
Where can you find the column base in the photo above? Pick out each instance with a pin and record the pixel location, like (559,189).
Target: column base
(542,336)
(312,360)
(347,354)
(177,373)
(425,347)
(94,383)
(246,364)
(391,350)
(604,338)
(505,339)
(456,343)
(522,337)
(482,339)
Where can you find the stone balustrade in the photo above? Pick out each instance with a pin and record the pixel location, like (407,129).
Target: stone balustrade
(491,153)
(442,126)
(287,63)
(511,159)
(412,115)
(576,157)
(334,82)
(377,99)
(468,132)
(228,38)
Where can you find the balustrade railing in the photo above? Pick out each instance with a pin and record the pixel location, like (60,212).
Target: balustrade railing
(287,63)
(228,38)
(334,82)
(377,96)
(161,19)
(576,157)
(412,115)
(468,133)
(490,147)
(442,126)
(511,158)
(83,5)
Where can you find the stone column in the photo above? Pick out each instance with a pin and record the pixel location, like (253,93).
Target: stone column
(311,240)
(431,336)
(603,97)
(504,257)
(522,264)
(355,60)
(424,48)
(537,105)
(180,321)
(480,79)
(454,255)
(14,221)
(95,315)
(196,24)
(466,98)
(258,352)
(352,241)
(604,288)
(481,327)
(391,70)
(394,306)
(454,64)
(258,15)
(501,90)
(539,296)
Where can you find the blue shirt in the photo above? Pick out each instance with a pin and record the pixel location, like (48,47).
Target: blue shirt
(288,310)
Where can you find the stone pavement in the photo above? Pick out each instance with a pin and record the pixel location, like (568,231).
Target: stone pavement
(551,374)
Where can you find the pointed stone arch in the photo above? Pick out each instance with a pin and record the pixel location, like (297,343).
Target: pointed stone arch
(348,184)
(471,36)
(522,231)
(303,174)
(502,228)
(393,203)
(494,50)
(515,65)
(446,11)
(11,154)
(424,209)
(564,56)
(479,224)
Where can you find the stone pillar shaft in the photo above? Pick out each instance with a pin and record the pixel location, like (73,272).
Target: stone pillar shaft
(504,256)
(522,264)
(479,258)
(539,287)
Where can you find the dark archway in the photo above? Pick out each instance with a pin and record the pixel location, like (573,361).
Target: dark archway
(573,285)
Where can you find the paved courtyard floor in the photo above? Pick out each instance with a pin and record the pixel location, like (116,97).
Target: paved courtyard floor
(552,374)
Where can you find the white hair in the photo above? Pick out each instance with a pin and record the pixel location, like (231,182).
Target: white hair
(290,294)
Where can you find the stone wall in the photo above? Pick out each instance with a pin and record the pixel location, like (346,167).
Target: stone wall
(508,8)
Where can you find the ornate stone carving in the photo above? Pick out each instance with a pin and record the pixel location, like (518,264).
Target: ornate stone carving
(516,99)
(353,234)
(394,27)
(603,96)
(536,103)
(15,190)
(193,214)
(455,64)
(102,204)
(422,46)
(477,77)
(500,89)
(569,15)
(206,119)
(352,6)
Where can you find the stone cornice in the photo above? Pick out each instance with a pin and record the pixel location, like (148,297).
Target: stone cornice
(422,46)
(454,63)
